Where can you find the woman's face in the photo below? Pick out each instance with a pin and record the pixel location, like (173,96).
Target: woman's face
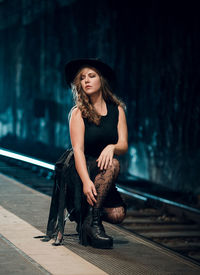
(90,81)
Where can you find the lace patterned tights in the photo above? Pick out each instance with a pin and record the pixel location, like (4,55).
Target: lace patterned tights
(103,182)
(114,215)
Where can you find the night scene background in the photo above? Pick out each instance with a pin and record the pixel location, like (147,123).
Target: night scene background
(154,48)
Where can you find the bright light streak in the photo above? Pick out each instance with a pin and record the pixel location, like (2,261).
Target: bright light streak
(180,205)
(124,191)
(145,196)
(30,160)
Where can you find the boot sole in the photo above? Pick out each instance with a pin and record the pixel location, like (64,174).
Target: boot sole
(101,245)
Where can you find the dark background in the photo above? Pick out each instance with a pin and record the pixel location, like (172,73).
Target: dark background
(154,47)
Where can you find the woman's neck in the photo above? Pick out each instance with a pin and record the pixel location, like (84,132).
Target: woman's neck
(99,103)
(96,99)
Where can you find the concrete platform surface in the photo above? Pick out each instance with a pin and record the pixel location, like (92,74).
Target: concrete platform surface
(23,215)
(14,261)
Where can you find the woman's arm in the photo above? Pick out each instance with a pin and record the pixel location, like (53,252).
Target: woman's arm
(120,147)
(77,131)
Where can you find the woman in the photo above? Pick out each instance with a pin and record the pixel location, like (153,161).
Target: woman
(98,133)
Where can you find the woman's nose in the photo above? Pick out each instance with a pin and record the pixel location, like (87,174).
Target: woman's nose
(86,79)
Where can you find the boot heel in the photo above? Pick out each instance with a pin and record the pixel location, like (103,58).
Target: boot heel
(83,237)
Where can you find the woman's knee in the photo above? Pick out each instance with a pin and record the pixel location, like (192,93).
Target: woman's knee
(115,215)
(116,165)
(119,217)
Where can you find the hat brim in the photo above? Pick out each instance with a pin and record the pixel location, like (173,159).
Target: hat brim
(72,68)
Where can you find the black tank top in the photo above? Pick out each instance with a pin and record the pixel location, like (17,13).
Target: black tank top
(97,137)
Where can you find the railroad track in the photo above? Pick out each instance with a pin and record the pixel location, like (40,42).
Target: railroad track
(169,225)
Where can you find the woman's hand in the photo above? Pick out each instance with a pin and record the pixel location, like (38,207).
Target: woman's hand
(106,156)
(90,192)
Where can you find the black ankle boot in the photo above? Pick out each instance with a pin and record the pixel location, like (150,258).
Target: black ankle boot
(92,231)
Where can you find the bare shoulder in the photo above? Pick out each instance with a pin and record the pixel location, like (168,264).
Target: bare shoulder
(75,114)
(76,111)
(121,110)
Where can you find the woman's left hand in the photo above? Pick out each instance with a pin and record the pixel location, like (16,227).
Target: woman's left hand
(106,156)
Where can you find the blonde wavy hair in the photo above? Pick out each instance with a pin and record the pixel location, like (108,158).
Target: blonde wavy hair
(82,100)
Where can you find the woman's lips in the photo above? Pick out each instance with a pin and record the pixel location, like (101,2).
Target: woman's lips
(88,86)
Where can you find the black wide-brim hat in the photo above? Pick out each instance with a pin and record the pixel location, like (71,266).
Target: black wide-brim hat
(73,66)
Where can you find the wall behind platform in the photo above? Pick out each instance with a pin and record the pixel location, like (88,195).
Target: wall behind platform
(154,48)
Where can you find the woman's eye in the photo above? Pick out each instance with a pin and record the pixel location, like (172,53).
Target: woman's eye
(92,75)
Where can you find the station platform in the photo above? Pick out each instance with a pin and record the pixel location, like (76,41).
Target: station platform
(23,216)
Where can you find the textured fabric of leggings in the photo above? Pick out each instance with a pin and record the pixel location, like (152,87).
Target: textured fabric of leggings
(103,183)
